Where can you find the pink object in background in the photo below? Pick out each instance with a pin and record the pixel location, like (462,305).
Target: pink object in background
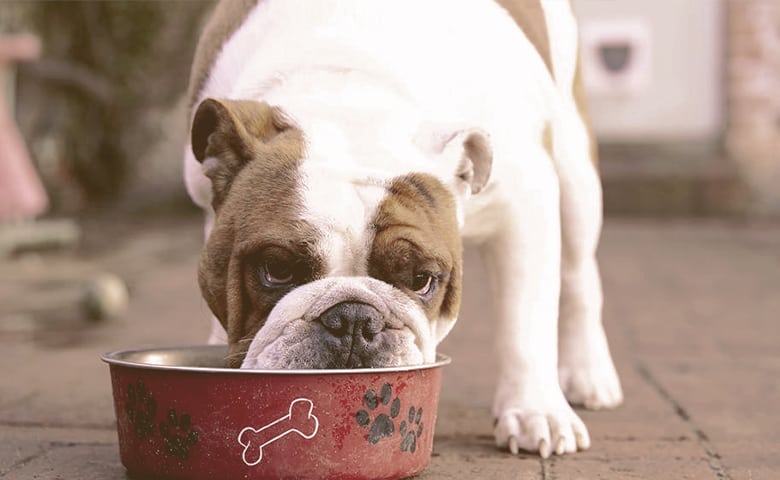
(21,193)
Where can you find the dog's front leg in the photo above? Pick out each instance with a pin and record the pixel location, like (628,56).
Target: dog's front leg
(524,259)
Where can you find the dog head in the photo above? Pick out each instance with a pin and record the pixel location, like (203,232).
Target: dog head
(325,254)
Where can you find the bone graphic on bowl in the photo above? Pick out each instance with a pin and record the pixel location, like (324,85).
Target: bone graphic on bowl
(299,419)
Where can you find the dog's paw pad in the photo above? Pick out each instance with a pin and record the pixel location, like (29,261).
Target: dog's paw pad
(412,430)
(177,434)
(382,425)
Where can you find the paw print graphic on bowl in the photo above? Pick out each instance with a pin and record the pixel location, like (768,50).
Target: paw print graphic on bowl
(384,409)
(141,408)
(177,434)
(412,430)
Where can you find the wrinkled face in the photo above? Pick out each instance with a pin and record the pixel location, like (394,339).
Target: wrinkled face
(313,266)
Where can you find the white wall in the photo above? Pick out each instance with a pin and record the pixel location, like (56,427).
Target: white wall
(679,93)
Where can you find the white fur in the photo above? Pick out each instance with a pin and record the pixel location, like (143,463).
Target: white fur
(586,372)
(362,79)
(341,211)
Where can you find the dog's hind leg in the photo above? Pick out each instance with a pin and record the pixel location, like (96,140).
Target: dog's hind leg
(585,369)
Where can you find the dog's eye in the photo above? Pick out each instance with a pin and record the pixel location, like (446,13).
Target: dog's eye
(423,284)
(274,273)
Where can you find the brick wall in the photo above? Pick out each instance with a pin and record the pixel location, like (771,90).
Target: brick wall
(752,135)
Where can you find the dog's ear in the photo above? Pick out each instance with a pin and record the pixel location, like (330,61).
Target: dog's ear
(228,134)
(465,154)
(471,149)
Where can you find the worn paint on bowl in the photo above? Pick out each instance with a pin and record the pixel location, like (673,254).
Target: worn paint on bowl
(181,415)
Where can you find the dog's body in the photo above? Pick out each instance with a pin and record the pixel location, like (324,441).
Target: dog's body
(341,150)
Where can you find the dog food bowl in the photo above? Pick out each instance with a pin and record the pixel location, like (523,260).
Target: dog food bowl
(180,414)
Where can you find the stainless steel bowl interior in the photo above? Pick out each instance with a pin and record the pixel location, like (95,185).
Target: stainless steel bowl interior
(199,356)
(211,358)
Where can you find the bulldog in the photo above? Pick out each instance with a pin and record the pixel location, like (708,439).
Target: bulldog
(342,151)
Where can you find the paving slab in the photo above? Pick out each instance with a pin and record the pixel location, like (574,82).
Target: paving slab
(691,312)
(72,461)
(23,446)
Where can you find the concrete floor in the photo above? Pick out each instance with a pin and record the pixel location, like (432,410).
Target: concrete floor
(691,311)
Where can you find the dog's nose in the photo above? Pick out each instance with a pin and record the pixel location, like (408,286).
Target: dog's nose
(355,319)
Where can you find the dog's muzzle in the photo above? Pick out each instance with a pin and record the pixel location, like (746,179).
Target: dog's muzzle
(343,322)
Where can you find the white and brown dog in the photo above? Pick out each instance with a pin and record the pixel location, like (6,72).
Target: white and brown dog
(341,149)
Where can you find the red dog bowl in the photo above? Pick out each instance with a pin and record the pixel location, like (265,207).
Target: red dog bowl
(180,414)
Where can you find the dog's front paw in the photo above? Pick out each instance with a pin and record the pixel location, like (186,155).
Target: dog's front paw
(539,422)
(587,374)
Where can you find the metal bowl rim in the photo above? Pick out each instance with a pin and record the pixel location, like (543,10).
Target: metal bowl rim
(115,358)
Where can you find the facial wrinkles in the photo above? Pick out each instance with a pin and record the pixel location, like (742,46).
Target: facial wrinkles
(341,208)
(416,226)
(263,194)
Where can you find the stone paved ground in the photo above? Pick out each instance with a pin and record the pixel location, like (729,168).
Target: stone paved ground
(692,310)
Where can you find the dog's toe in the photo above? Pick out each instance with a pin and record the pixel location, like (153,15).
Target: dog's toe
(558,431)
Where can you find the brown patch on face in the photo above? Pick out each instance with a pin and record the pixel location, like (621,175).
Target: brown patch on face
(256,198)
(416,233)
(529,16)
(226,18)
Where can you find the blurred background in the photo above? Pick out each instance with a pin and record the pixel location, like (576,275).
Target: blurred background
(100,109)
(685,102)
